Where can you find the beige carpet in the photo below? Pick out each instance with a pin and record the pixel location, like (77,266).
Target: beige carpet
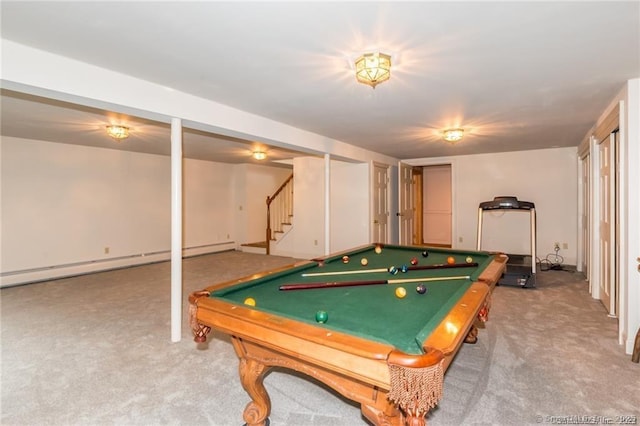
(96,350)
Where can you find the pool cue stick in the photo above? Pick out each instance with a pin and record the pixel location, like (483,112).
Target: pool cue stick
(354,271)
(309,286)
(409,268)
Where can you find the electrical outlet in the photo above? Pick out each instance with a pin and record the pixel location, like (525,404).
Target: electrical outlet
(565,246)
(315,242)
(106,250)
(459,239)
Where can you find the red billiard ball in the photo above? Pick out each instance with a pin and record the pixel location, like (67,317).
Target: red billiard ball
(414,260)
(451,260)
(345,259)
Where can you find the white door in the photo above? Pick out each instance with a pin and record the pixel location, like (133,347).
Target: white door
(585,215)
(436,205)
(607,221)
(406,204)
(380,228)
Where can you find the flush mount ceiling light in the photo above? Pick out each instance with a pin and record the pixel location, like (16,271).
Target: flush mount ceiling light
(118,132)
(373,68)
(453,135)
(259,155)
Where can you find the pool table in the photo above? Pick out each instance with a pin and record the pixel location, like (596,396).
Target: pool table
(340,320)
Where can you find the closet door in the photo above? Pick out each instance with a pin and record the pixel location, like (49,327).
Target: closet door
(606,154)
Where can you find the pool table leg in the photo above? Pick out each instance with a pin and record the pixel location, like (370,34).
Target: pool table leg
(252,374)
(472,335)
(390,416)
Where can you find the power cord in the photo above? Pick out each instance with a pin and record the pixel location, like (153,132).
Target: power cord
(553,261)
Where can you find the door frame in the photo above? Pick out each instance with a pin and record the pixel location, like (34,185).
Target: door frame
(609,125)
(443,161)
(372,208)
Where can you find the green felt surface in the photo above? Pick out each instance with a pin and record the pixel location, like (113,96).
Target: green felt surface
(372,311)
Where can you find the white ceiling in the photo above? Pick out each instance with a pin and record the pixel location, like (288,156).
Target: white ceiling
(514,75)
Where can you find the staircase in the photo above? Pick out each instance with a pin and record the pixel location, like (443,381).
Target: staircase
(279,219)
(279,213)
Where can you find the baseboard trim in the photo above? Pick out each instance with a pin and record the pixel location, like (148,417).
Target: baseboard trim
(33,275)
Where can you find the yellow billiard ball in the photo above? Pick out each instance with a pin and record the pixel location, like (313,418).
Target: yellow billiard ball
(250,301)
(451,260)
(364,261)
(401,292)
(378,250)
(469,259)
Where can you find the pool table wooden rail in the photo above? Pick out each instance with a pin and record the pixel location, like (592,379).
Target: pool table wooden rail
(355,367)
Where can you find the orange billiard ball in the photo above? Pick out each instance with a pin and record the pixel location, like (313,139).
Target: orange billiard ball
(345,259)
(451,260)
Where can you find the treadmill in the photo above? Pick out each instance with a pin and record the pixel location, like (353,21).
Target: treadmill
(521,269)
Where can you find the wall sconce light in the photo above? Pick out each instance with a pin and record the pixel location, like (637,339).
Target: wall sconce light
(118,132)
(259,155)
(373,68)
(453,135)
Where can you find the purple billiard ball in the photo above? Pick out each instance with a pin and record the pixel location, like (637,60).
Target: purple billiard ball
(421,289)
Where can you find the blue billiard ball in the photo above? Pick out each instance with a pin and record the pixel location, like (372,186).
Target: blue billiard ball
(393,270)
(404,268)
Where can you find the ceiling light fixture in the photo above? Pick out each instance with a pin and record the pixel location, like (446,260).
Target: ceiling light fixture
(259,155)
(453,135)
(118,132)
(373,68)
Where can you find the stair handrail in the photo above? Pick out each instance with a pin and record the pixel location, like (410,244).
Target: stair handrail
(270,200)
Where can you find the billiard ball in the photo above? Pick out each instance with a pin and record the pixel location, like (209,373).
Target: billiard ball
(345,259)
(378,249)
(451,260)
(469,259)
(401,292)
(425,253)
(414,260)
(250,301)
(421,289)
(322,316)
(404,268)
(392,270)
(364,261)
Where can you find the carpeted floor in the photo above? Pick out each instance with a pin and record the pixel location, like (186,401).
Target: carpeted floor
(96,350)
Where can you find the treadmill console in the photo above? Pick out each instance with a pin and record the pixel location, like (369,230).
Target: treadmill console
(507,203)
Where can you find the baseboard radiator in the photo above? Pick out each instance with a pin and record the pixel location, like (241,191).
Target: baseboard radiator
(28,276)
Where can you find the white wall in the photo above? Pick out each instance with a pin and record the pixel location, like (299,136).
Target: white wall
(207,210)
(546,177)
(64,206)
(306,239)
(350,201)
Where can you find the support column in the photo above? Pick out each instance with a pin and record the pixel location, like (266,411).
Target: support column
(176,229)
(327,204)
